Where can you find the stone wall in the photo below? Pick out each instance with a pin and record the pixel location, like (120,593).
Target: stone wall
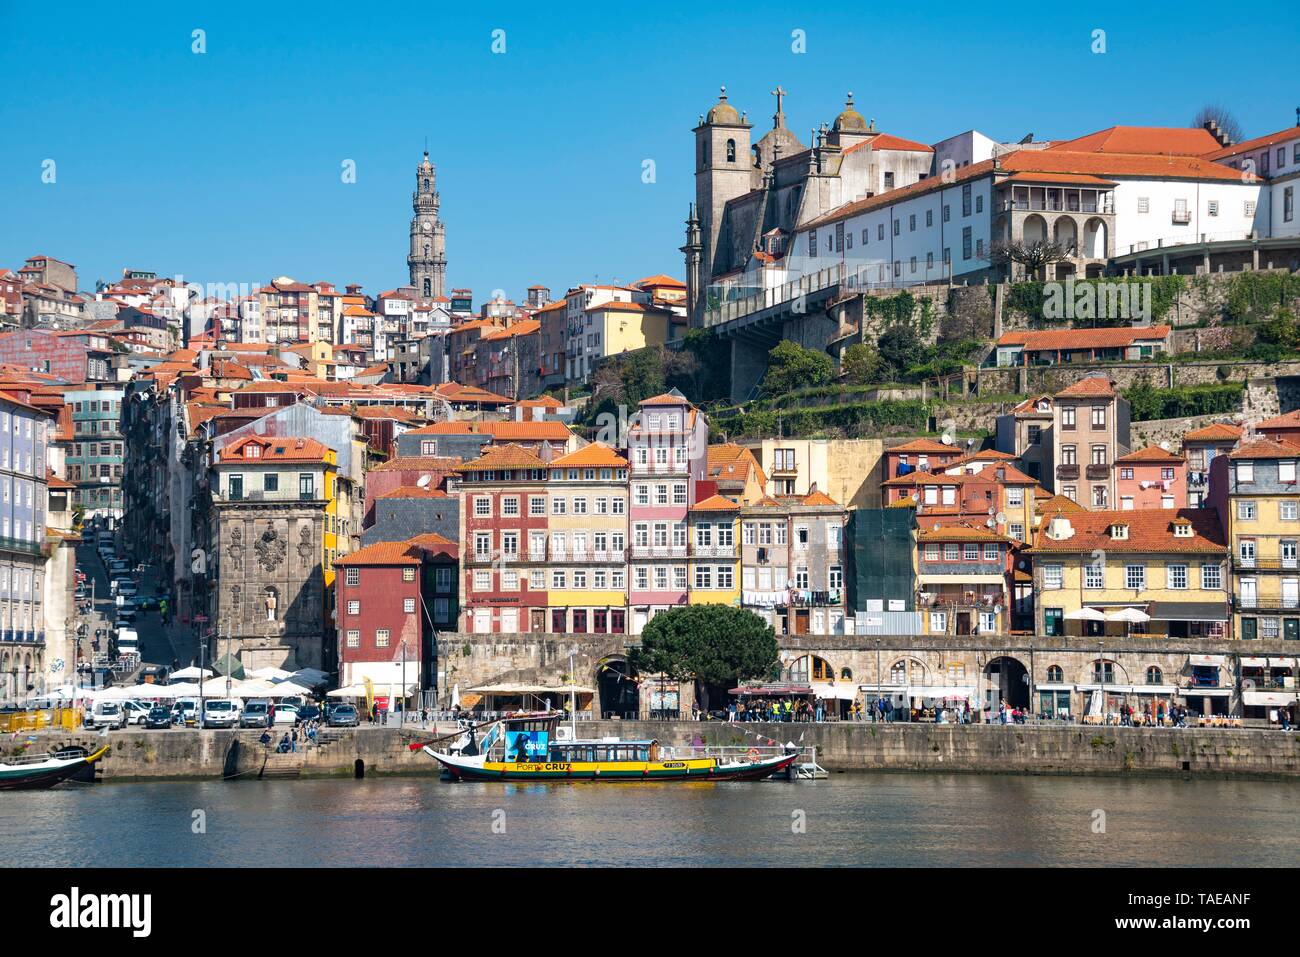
(841,746)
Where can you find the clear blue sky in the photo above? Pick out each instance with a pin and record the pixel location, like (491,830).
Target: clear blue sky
(226,166)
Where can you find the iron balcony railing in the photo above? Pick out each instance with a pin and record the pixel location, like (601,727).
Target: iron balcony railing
(1251,563)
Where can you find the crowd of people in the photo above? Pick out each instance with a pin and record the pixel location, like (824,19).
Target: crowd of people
(305,733)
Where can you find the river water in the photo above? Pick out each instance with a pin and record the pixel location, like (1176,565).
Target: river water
(885,819)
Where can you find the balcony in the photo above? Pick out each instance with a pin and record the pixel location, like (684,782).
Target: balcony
(658,551)
(1097,471)
(19,545)
(1067,472)
(1181,217)
(713,551)
(810,599)
(1197,479)
(1252,563)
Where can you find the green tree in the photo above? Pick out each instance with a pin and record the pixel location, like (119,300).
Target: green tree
(861,364)
(791,366)
(712,645)
(900,349)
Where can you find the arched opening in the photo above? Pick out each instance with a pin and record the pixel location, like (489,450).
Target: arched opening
(358,769)
(731,151)
(1055,674)
(1155,676)
(1094,239)
(617,689)
(1033,229)
(811,668)
(907,671)
(1008,681)
(1066,235)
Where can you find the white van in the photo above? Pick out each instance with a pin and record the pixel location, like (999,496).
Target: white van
(106,714)
(186,711)
(135,711)
(220,713)
(128,642)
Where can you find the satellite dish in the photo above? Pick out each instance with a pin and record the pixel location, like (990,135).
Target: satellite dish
(990,523)
(997,609)
(1022,563)
(992,510)
(423,481)
(1165,445)
(970,442)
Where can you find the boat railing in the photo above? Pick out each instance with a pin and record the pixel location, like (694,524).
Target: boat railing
(725,753)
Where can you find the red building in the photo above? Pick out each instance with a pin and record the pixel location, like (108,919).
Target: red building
(392,597)
(504,524)
(1151,478)
(919,455)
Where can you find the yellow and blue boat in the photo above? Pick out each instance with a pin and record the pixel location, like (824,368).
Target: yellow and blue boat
(524,747)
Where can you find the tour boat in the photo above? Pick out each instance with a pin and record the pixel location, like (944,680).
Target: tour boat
(524,747)
(44,772)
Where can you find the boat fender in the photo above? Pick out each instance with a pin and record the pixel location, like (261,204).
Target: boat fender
(597,772)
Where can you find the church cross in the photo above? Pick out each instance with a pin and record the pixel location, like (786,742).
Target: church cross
(780,95)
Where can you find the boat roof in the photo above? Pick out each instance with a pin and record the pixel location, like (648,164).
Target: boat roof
(615,741)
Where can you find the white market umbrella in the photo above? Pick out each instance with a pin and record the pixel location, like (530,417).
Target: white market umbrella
(1085,614)
(310,677)
(455,695)
(271,674)
(283,689)
(1133,615)
(193,672)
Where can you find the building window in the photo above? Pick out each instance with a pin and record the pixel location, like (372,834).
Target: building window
(1055,674)
(354,639)
(381,638)
(1177,576)
(408,606)
(1135,577)
(1212,577)
(354,607)
(1094,576)
(1053,576)
(1155,676)
(1245,510)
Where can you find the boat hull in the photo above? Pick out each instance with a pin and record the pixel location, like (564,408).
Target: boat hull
(690,769)
(45,775)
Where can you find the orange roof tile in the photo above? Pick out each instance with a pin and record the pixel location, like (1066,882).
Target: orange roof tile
(1287,420)
(504,457)
(1089,386)
(1149,530)
(382,553)
(818,497)
(715,503)
(960,532)
(1265,449)
(595,455)
(1215,432)
(1153,454)
(277,449)
(413,491)
(545,431)
(925,445)
(418,463)
(1258,142)
(1103,338)
(1149,140)
(666,398)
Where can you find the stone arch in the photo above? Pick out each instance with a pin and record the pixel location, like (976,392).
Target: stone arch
(811,668)
(1033,229)
(1065,232)
(1001,230)
(1007,679)
(617,691)
(1096,238)
(1117,673)
(731,151)
(910,670)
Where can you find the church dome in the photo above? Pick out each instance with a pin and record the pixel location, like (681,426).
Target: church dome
(723,113)
(850,120)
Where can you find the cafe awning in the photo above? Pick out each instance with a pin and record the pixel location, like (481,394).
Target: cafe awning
(521,689)
(831,692)
(1188,611)
(1267,698)
(1207,661)
(1254,662)
(940,691)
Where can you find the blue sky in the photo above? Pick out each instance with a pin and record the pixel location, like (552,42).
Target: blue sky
(226,166)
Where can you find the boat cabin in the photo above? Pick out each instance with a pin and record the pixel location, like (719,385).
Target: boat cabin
(588,752)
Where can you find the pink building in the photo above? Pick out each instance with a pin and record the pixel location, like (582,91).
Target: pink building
(1151,478)
(667,446)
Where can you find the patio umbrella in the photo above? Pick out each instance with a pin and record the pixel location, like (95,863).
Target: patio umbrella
(230,666)
(1086,614)
(192,672)
(455,695)
(1132,615)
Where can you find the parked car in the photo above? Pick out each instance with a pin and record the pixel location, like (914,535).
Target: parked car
(106,714)
(128,642)
(135,711)
(297,700)
(128,588)
(186,711)
(308,713)
(119,566)
(344,716)
(158,717)
(285,714)
(220,713)
(256,714)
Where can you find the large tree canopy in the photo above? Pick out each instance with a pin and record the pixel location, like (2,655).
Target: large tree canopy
(712,644)
(791,366)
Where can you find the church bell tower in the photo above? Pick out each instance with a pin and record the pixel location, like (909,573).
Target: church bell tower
(428,257)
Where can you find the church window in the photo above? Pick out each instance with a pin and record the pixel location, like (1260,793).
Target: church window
(426,183)
(428,290)
(731,151)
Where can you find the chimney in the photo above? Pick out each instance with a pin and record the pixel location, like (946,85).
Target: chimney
(1213,128)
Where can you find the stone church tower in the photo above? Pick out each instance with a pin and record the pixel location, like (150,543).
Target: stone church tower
(428,257)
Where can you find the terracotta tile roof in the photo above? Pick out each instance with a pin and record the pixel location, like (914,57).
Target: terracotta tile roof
(418,463)
(1090,386)
(544,431)
(660,279)
(1149,530)
(1103,338)
(1149,140)
(1215,432)
(960,532)
(53,481)
(1265,449)
(818,497)
(1247,146)
(278,449)
(715,503)
(455,392)
(595,455)
(1153,454)
(888,141)
(541,402)
(504,457)
(413,491)
(1287,420)
(666,398)
(1057,503)
(728,461)
(925,445)
(382,553)
(1074,179)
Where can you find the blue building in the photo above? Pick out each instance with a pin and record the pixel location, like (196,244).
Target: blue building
(94,461)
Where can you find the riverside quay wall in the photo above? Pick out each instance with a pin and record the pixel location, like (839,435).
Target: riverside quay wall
(841,746)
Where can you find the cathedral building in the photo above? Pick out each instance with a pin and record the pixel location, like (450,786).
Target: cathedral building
(428,257)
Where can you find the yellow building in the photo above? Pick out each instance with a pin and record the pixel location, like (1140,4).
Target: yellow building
(714,567)
(848,470)
(1262,508)
(587,547)
(1158,572)
(615,327)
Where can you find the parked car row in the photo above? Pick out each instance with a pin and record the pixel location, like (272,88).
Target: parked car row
(219,713)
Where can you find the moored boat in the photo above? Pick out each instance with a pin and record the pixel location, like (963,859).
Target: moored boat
(28,774)
(525,747)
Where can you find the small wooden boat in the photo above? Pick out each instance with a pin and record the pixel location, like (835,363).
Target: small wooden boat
(36,772)
(524,747)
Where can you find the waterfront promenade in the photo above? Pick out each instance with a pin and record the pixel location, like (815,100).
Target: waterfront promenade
(846,746)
